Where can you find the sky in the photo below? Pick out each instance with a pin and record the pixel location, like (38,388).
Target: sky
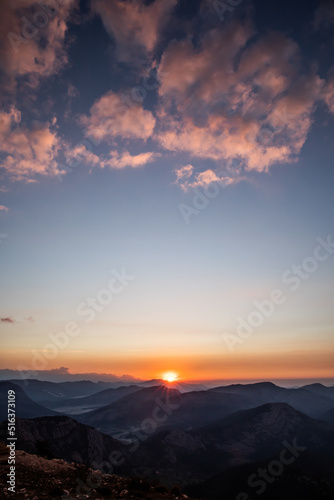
(166,173)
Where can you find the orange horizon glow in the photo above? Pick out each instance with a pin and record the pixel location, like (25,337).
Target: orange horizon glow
(265,365)
(316,364)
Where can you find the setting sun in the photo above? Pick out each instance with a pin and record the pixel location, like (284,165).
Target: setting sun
(170,376)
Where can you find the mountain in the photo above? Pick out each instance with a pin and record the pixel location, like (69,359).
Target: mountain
(157,446)
(180,386)
(39,478)
(243,437)
(161,407)
(130,411)
(320,389)
(266,392)
(309,477)
(41,391)
(328,416)
(82,404)
(24,406)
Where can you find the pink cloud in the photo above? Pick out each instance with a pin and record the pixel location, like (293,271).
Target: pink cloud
(113,160)
(184,172)
(28,151)
(134,23)
(21,50)
(186,178)
(111,117)
(3,208)
(257,111)
(122,160)
(80,154)
(201,179)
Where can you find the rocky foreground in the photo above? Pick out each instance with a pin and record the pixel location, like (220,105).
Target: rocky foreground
(38,478)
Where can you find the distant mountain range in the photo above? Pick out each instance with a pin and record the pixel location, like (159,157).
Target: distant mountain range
(24,406)
(208,441)
(97,400)
(313,401)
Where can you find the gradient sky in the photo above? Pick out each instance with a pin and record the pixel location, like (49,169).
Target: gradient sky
(192,147)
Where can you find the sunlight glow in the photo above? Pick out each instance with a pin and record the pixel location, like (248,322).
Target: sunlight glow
(170,376)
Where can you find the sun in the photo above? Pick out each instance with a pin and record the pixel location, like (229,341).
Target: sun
(170,376)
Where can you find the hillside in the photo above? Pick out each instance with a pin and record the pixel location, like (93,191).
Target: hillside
(41,479)
(167,407)
(63,437)
(246,436)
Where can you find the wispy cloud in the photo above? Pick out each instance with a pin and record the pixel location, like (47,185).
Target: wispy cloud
(125,159)
(7,320)
(186,178)
(113,160)
(135,24)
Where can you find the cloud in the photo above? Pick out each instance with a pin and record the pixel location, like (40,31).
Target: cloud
(61,370)
(238,98)
(3,208)
(7,320)
(28,151)
(63,374)
(201,179)
(125,159)
(328,94)
(208,177)
(31,319)
(184,172)
(114,160)
(111,117)
(80,154)
(72,91)
(33,44)
(134,24)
